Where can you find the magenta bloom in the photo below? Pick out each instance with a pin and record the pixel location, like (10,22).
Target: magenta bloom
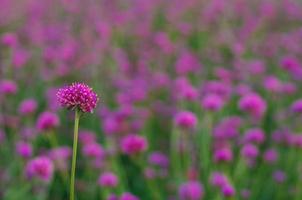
(27,107)
(254,135)
(78,95)
(253,104)
(191,190)
(108,179)
(47,120)
(41,168)
(128,196)
(158,159)
(133,144)
(8,87)
(9,39)
(218,179)
(24,149)
(60,156)
(228,190)
(297,106)
(185,119)
(249,151)
(93,150)
(223,155)
(212,102)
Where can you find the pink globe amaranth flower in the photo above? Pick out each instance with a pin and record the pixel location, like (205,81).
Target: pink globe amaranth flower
(185,119)
(296,107)
(87,137)
(249,151)
(78,95)
(9,39)
(93,150)
(108,179)
(8,87)
(149,173)
(228,190)
(27,107)
(185,90)
(272,84)
(60,156)
(186,63)
(212,102)
(290,63)
(133,144)
(128,196)
(41,168)
(47,121)
(279,176)
(228,128)
(289,88)
(112,197)
(20,57)
(223,155)
(253,104)
(218,179)
(158,159)
(254,135)
(270,156)
(24,149)
(191,190)
(111,125)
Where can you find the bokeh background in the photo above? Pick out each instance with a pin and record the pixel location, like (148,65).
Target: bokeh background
(199,99)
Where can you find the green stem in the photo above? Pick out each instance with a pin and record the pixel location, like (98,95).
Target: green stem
(74,152)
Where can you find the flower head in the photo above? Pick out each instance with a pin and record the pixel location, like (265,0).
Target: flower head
(78,95)
(108,179)
(191,190)
(28,106)
(41,168)
(47,120)
(185,119)
(133,144)
(23,149)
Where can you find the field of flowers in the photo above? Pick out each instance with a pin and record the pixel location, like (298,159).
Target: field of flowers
(150,99)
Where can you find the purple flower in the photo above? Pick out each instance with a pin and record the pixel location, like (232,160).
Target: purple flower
(9,39)
(223,155)
(297,106)
(253,104)
(27,107)
(212,102)
(47,120)
(270,156)
(159,159)
(249,151)
(78,95)
(108,179)
(128,196)
(279,176)
(40,168)
(272,84)
(8,87)
(93,150)
(191,190)
(228,190)
(133,144)
(24,149)
(60,156)
(185,119)
(254,135)
(218,179)
(87,137)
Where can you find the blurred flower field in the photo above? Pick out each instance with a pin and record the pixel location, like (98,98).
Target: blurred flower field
(189,99)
